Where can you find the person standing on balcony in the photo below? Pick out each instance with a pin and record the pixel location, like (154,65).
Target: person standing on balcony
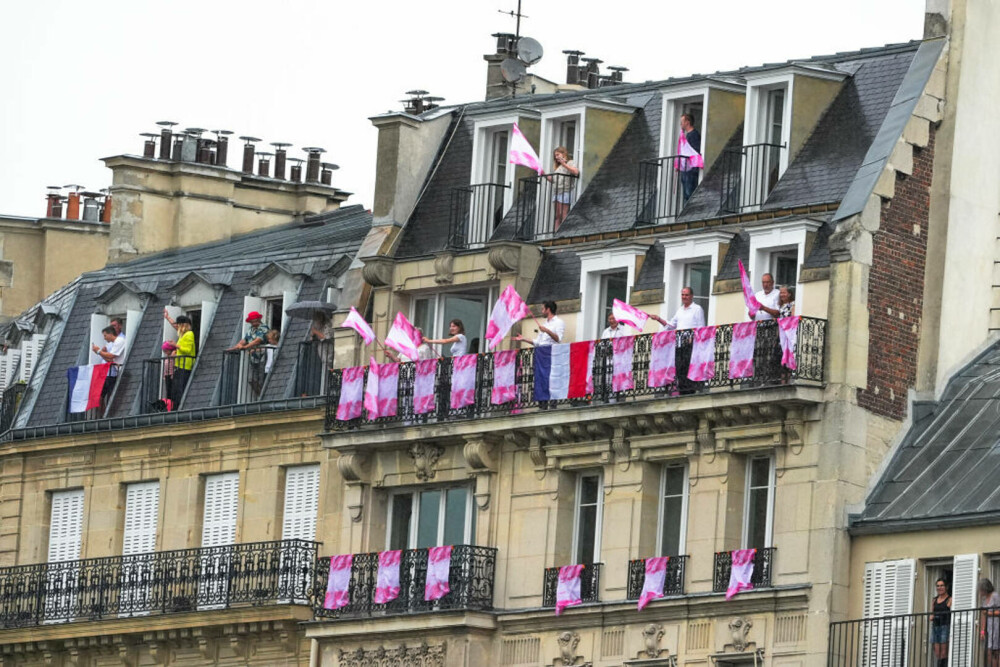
(113,353)
(613,330)
(459,343)
(989,621)
(254,340)
(551,332)
(184,353)
(689,316)
(688,143)
(941,622)
(768,343)
(563,179)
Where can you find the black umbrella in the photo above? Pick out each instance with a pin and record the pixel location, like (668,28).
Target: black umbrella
(306,309)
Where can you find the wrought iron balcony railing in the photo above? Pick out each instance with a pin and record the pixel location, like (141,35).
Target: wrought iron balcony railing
(244,373)
(164,380)
(470,581)
(314,358)
(910,640)
(660,191)
(542,204)
(590,584)
(9,403)
(767,371)
(673,583)
(748,176)
(763,562)
(158,583)
(476,211)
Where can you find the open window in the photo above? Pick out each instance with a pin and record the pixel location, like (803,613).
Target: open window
(430,517)
(614,285)
(758,503)
(693,261)
(433,314)
(780,249)
(673,509)
(589,507)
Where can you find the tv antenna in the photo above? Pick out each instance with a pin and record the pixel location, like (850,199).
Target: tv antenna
(517,15)
(526,52)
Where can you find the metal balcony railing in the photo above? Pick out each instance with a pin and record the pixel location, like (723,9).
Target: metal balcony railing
(244,374)
(9,403)
(162,385)
(590,584)
(542,203)
(476,211)
(762,564)
(470,580)
(314,359)
(767,371)
(909,640)
(158,583)
(673,583)
(660,194)
(748,176)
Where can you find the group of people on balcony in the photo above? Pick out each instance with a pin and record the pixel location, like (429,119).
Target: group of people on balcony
(112,353)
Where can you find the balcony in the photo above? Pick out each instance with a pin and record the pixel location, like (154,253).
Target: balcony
(313,360)
(470,580)
(475,212)
(162,386)
(120,372)
(660,195)
(158,583)
(244,374)
(673,583)
(590,584)
(542,203)
(748,176)
(907,640)
(809,354)
(763,562)
(9,402)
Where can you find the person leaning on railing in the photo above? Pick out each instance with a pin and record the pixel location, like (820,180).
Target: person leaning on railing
(184,353)
(254,340)
(565,171)
(688,316)
(989,621)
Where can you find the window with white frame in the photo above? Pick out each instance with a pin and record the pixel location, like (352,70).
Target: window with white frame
(779,249)
(433,315)
(301,502)
(564,131)
(587,519)
(605,274)
(430,518)
(613,286)
(758,504)
(142,512)
(785,267)
(692,261)
(673,509)
(698,276)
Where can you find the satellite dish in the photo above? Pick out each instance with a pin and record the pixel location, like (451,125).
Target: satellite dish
(512,70)
(529,51)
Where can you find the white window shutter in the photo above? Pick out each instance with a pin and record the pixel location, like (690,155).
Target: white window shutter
(964,579)
(221,499)
(903,580)
(133,318)
(5,370)
(30,349)
(97,322)
(888,593)
(142,509)
(208,309)
(169,333)
(65,525)
(301,503)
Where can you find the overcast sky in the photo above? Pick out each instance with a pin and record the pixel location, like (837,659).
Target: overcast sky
(80,80)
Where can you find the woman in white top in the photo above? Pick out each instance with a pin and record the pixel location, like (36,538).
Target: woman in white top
(564,183)
(459,344)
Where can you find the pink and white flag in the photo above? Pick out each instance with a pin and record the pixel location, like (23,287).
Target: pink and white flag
(621,361)
(438,569)
(662,359)
(691,159)
(424,378)
(568,590)
(403,337)
(629,315)
(504,365)
(522,153)
(463,380)
(742,571)
(741,350)
(387,579)
(656,577)
(382,390)
(352,388)
(358,323)
(338,585)
(788,331)
(702,355)
(510,309)
(753,305)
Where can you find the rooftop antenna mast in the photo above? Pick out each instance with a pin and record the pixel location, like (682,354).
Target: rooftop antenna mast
(517,15)
(527,52)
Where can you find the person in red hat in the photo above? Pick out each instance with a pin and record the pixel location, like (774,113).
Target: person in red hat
(254,340)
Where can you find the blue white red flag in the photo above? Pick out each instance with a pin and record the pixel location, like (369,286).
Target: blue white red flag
(85,384)
(564,371)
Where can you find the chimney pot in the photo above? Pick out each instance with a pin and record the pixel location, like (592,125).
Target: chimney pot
(264,164)
(313,163)
(166,137)
(73,203)
(296,174)
(280,155)
(221,146)
(53,205)
(248,151)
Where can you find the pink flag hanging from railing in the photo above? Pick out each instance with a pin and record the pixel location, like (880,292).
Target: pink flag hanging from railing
(662,356)
(741,572)
(741,350)
(753,305)
(463,380)
(510,309)
(359,324)
(629,315)
(352,388)
(702,355)
(621,377)
(387,579)
(403,337)
(438,569)
(504,365)
(382,390)
(522,153)
(338,585)
(568,589)
(424,377)
(788,330)
(656,577)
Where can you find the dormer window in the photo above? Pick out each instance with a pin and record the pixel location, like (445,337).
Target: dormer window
(477,209)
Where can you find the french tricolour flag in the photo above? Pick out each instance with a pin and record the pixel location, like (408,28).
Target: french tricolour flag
(564,371)
(85,384)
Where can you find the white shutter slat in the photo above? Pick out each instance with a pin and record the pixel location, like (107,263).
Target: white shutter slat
(962,647)
(30,349)
(221,499)
(142,507)
(66,525)
(301,502)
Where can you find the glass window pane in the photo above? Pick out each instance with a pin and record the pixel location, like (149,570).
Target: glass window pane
(613,286)
(399,522)
(454,516)
(587,535)
(428,519)
(423,316)
(757,519)
(589,489)
(675,481)
(672,508)
(472,311)
(760,472)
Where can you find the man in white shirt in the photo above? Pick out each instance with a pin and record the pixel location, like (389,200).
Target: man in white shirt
(768,299)
(551,332)
(767,356)
(689,316)
(113,353)
(614,329)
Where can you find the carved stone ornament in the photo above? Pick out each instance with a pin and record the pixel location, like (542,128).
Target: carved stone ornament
(377,271)
(422,655)
(504,258)
(444,273)
(568,641)
(651,636)
(478,453)
(739,628)
(425,458)
(353,466)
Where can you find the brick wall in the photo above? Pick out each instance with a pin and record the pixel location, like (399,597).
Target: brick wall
(896,289)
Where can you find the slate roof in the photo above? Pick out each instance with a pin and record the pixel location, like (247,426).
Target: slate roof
(309,246)
(945,470)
